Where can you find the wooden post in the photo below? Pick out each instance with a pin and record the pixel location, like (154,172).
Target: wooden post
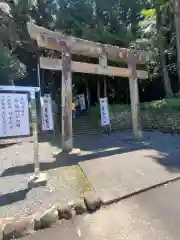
(98,89)
(88,94)
(134,95)
(67,142)
(104,64)
(105,88)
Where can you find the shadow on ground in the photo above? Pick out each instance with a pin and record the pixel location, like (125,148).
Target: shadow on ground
(63,159)
(9,198)
(100,146)
(6,145)
(170,161)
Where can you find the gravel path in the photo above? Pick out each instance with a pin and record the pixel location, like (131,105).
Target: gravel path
(16,166)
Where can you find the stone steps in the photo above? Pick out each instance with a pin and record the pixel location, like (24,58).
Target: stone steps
(81,126)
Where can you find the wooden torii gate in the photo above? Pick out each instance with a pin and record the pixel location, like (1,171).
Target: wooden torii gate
(69,45)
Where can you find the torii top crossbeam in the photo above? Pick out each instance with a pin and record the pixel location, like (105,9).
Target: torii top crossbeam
(56,40)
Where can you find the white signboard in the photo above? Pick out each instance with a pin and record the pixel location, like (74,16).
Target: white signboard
(46,108)
(32,90)
(14,115)
(104,109)
(82,101)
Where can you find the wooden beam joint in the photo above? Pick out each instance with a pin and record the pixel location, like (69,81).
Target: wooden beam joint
(103,57)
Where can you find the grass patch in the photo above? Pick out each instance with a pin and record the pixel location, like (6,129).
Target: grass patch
(82,182)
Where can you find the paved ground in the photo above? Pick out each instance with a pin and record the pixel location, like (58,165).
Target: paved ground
(128,166)
(154,214)
(65,183)
(65,179)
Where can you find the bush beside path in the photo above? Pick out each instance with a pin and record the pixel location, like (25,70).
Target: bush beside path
(161,116)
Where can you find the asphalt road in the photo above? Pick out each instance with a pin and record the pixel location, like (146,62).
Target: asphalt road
(152,215)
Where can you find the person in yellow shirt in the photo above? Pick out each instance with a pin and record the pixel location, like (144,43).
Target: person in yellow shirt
(73,110)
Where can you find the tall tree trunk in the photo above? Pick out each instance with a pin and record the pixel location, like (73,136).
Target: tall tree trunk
(167,83)
(176,14)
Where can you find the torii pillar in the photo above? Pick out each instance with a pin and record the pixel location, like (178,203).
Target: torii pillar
(134,96)
(66,100)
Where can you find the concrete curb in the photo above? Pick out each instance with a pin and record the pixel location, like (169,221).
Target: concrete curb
(11,228)
(16,228)
(118,199)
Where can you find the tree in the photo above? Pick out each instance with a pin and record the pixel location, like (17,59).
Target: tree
(10,66)
(15,40)
(153,36)
(161,44)
(112,21)
(176,14)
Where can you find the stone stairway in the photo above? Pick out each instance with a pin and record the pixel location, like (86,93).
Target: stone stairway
(82,126)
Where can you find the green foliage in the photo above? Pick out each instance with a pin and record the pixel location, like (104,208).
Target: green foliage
(10,65)
(158,107)
(14,34)
(110,21)
(163,105)
(155,32)
(148,13)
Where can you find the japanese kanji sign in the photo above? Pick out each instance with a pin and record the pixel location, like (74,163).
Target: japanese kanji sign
(82,101)
(104,109)
(46,108)
(14,115)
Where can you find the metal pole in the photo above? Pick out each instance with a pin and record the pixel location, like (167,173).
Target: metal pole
(38,178)
(39,78)
(35,128)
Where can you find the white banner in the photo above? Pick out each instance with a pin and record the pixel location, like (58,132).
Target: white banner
(14,115)
(82,101)
(104,109)
(46,109)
